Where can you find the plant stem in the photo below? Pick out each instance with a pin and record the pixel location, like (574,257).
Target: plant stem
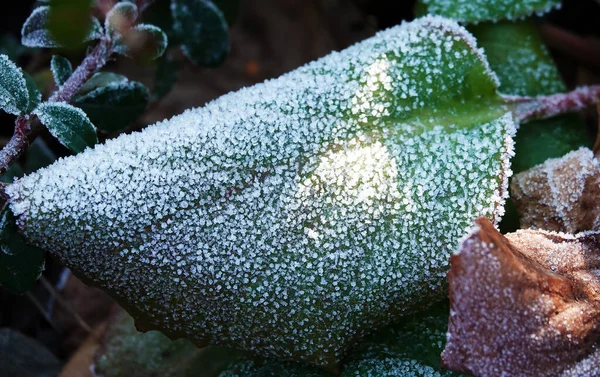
(23,134)
(542,107)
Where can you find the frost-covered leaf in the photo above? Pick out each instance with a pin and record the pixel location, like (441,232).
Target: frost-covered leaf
(68,124)
(485,10)
(36,31)
(299,214)
(33,93)
(202,30)
(21,264)
(127,352)
(21,356)
(230,9)
(101,79)
(167,73)
(114,106)
(14,94)
(527,304)
(61,69)
(120,19)
(561,194)
(142,41)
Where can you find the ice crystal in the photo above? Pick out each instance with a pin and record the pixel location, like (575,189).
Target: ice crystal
(295,216)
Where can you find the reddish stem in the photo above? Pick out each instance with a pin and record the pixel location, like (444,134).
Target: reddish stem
(542,107)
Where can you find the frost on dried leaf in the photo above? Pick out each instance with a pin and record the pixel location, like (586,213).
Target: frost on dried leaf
(561,194)
(293,217)
(527,304)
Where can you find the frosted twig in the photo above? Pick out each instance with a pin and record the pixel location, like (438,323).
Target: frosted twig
(22,135)
(542,107)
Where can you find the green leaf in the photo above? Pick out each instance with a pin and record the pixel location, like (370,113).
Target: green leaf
(61,69)
(487,10)
(327,201)
(68,124)
(202,30)
(166,76)
(230,9)
(33,93)
(130,353)
(121,17)
(21,356)
(114,106)
(14,95)
(144,42)
(20,264)
(99,80)
(51,27)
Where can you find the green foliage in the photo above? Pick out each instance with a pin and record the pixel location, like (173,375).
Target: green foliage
(20,263)
(130,353)
(230,9)
(114,106)
(33,93)
(68,124)
(99,80)
(61,69)
(14,90)
(70,23)
(202,29)
(21,356)
(485,10)
(50,28)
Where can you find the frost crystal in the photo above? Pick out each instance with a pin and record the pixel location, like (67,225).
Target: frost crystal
(295,216)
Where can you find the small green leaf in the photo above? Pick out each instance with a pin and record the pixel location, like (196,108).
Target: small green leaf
(40,30)
(61,69)
(144,42)
(20,264)
(166,76)
(68,124)
(33,92)
(203,30)
(120,18)
(99,80)
(14,96)
(230,9)
(21,356)
(114,106)
(486,10)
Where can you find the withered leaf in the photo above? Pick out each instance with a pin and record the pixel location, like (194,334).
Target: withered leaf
(525,304)
(560,194)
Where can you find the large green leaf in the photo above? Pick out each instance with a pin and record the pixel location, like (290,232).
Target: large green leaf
(14,94)
(202,30)
(485,10)
(114,106)
(294,217)
(20,263)
(68,124)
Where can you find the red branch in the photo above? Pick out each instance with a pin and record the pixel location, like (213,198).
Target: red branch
(542,107)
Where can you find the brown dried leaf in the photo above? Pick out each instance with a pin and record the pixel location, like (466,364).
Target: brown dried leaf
(527,304)
(560,194)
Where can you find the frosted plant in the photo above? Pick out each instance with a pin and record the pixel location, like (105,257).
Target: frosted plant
(293,217)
